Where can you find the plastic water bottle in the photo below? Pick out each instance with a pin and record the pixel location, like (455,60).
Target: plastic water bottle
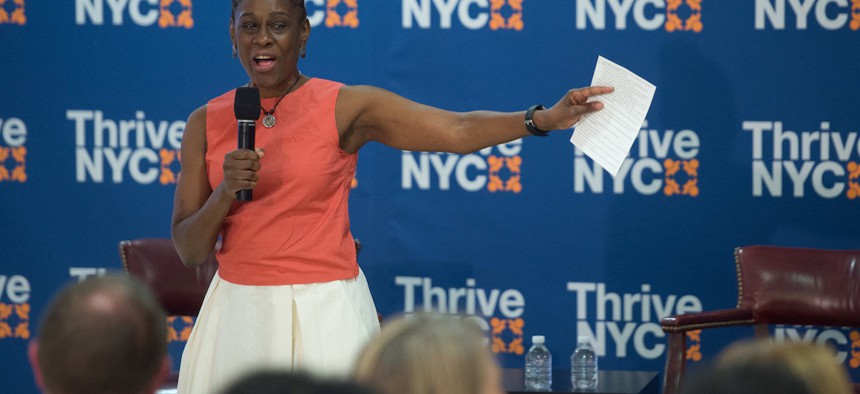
(583,366)
(538,366)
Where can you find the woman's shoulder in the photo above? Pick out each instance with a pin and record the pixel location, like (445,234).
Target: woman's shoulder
(317,85)
(198,114)
(324,82)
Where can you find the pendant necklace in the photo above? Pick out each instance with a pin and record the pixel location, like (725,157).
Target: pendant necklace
(269,119)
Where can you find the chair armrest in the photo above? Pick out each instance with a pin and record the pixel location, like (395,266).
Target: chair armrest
(711,319)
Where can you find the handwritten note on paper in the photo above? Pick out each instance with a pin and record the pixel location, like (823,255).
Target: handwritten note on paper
(607,135)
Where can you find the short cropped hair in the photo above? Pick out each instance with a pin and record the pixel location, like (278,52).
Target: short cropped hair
(303,12)
(103,335)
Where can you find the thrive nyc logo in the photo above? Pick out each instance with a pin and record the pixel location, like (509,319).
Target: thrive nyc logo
(827,14)
(496,169)
(659,161)
(471,14)
(14,307)
(670,15)
(333,13)
(498,312)
(12,12)
(628,321)
(13,153)
(165,13)
(143,149)
(824,161)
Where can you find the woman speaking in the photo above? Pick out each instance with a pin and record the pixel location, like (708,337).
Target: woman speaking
(289,292)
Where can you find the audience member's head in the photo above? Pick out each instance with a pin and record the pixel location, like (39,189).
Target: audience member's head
(102,335)
(764,367)
(340,387)
(286,382)
(429,354)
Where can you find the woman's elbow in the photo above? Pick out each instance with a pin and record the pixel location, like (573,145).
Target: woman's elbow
(192,262)
(190,258)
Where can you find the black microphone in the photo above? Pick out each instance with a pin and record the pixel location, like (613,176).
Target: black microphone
(246,106)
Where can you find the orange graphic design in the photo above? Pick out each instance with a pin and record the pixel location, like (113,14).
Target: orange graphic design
(19,172)
(692,23)
(694,351)
(179,328)
(515,326)
(348,19)
(853,179)
(168,156)
(167,19)
(690,168)
(4,173)
(498,21)
(17,17)
(855,15)
(22,315)
(855,350)
(496,183)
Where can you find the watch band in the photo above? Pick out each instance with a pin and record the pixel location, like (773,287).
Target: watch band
(530,123)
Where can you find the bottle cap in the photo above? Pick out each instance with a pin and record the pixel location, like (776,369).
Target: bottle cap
(582,339)
(538,339)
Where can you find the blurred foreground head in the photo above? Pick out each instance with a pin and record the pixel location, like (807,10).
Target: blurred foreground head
(764,367)
(429,354)
(103,335)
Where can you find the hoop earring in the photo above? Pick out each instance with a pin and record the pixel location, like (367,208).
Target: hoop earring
(234,52)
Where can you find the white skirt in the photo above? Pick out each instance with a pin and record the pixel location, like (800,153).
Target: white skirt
(318,328)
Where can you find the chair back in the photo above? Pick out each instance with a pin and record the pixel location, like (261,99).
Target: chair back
(799,286)
(179,289)
(776,285)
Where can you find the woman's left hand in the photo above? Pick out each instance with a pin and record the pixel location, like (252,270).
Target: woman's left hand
(570,108)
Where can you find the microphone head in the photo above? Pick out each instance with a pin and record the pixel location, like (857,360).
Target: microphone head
(246,106)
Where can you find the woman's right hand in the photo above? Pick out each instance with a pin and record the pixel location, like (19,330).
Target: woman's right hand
(240,170)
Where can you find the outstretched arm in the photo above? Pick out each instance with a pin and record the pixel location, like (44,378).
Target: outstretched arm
(371,114)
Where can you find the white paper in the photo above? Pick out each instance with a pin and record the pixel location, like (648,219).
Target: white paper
(607,135)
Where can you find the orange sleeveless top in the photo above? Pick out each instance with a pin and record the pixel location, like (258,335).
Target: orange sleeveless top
(296,230)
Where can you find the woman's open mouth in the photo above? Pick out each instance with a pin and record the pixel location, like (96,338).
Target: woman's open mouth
(264,62)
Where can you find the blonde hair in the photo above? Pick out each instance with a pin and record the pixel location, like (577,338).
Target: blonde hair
(815,365)
(427,354)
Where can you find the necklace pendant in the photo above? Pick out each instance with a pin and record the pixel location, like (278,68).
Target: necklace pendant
(269,121)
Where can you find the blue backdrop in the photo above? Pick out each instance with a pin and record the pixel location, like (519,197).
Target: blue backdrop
(752,138)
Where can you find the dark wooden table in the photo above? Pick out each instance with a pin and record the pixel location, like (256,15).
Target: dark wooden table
(608,382)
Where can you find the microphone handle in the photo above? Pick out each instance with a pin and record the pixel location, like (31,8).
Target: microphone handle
(246,141)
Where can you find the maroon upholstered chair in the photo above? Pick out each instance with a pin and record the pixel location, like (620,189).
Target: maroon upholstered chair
(180,290)
(776,285)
